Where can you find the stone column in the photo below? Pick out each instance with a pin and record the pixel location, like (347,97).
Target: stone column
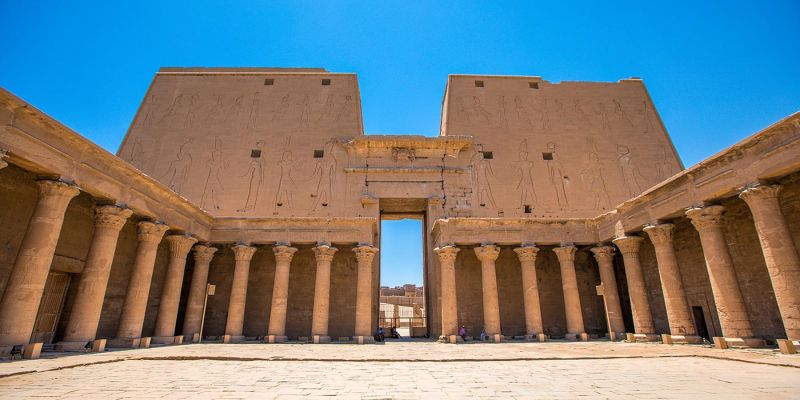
(234,326)
(491,305)
(780,253)
(447,276)
(605,256)
(280,293)
(640,305)
(25,285)
(678,315)
(572,299)
(197,291)
(179,246)
(322,293)
(364,298)
(85,314)
(728,298)
(530,291)
(133,309)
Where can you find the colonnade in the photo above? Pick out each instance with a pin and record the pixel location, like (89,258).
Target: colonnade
(779,250)
(20,301)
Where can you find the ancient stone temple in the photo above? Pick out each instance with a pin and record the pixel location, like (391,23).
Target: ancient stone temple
(550,210)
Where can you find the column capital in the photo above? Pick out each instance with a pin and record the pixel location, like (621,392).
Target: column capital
(111,217)
(527,253)
(284,252)
(757,193)
(3,156)
(565,253)
(324,252)
(487,252)
(179,245)
(628,244)
(50,188)
(603,253)
(243,252)
(151,231)
(447,253)
(203,253)
(365,253)
(706,217)
(659,234)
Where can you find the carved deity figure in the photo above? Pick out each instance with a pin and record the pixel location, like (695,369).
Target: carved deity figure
(178,169)
(325,176)
(285,181)
(482,175)
(664,168)
(521,112)
(255,178)
(527,195)
(555,171)
(213,186)
(593,181)
(305,112)
(630,174)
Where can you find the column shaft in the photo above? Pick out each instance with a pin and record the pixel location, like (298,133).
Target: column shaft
(133,309)
(322,289)
(530,290)
(280,291)
(680,320)
(364,256)
(780,253)
(85,314)
(20,302)
(605,257)
(569,283)
(491,304)
(179,246)
(447,276)
(732,312)
(234,326)
(640,305)
(197,290)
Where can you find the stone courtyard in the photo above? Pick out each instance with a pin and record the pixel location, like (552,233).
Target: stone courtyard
(556,369)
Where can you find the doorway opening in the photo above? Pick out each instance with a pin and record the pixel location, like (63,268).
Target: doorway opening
(700,322)
(402,292)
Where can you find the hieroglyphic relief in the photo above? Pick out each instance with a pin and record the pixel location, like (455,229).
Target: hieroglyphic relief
(555,172)
(525,186)
(482,177)
(178,169)
(521,112)
(286,185)
(592,178)
(664,168)
(213,189)
(255,179)
(136,155)
(630,172)
(325,176)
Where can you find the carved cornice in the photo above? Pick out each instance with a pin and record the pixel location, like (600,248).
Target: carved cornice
(111,217)
(284,253)
(527,254)
(447,254)
(386,145)
(603,253)
(660,234)
(704,218)
(487,252)
(565,253)
(151,232)
(628,244)
(324,253)
(204,254)
(242,252)
(179,245)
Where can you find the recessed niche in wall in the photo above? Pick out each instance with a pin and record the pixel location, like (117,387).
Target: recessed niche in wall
(319,153)
(269,82)
(533,85)
(326,82)
(547,156)
(528,209)
(478,83)
(487,155)
(255,153)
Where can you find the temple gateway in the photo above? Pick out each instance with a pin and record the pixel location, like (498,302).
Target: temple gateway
(550,210)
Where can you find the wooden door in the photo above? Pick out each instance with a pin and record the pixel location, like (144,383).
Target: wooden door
(55,292)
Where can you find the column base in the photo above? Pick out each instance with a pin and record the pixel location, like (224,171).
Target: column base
(680,339)
(32,351)
(450,339)
(787,346)
(276,339)
(129,343)
(583,336)
(540,337)
(497,338)
(616,336)
(195,338)
(726,342)
(643,337)
(317,339)
(168,339)
(232,339)
(364,339)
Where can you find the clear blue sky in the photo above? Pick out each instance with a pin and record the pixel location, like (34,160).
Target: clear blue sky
(717,71)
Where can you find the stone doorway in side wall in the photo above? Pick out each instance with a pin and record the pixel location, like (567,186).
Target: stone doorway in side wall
(402,295)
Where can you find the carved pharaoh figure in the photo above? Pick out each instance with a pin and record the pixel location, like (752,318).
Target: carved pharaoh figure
(630,174)
(592,177)
(285,181)
(555,171)
(213,185)
(178,169)
(481,175)
(255,178)
(527,194)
